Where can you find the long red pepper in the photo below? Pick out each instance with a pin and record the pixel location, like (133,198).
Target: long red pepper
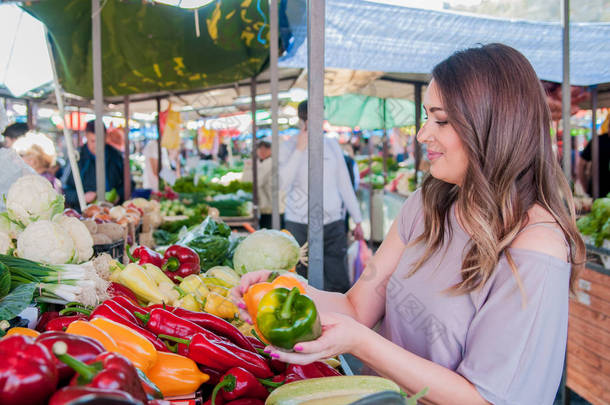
(240,383)
(213,323)
(208,352)
(61,323)
(162,322)
(245,401)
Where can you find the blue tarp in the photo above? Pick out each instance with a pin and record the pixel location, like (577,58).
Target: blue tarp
(369,36)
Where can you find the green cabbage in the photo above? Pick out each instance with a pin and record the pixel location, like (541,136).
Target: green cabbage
(266,249)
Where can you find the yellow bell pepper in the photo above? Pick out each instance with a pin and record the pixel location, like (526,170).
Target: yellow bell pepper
(22,331)
(225,274)
(84,328)
(176,375)
(215,281)
(165,285)
(189,302)
(220,306)
(137,280)
(130,343)
(194,284)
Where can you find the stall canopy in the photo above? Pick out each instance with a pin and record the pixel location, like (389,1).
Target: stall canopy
(154,47)
(416,40)
(366,112)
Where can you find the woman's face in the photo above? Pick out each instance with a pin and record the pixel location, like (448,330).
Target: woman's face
(446,152)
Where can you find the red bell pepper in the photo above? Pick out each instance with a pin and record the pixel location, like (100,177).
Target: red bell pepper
(107,371)
(213,323)
(27,371)
(67,395)
(44,319)
(208,352)
(143,255)
(119,290)
(245,401)
(180,261)
(61,323)
(240,383)
(83,348)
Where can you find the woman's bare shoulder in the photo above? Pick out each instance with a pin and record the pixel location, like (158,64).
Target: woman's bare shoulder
(542,234)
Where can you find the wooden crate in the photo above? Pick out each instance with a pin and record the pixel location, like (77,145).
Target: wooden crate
(588,361)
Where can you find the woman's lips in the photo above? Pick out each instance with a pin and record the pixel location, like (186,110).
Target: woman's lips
(434,155)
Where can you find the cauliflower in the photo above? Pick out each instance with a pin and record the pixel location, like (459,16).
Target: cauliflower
(9,227)
(32,198)
(83,242)
(6,244)
(46,242)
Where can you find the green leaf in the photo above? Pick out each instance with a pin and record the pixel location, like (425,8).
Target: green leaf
(5,280)
(16,301)
(413,400)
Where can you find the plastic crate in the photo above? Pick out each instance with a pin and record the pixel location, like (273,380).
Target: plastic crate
(116,249)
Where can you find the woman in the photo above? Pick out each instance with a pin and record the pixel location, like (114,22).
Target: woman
(41,162)
(471,283)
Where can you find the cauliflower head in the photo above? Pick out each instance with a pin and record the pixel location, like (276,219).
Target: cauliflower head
(46,242)
(32,198)
(266,249)
(83,242)
(6,244)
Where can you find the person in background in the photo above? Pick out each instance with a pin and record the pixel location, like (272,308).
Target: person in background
(41,162)
(86,164)
(586,157)
(151,166)
(338,195)
(14,132)
(264,180)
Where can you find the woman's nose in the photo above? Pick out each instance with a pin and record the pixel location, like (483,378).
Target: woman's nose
(422,134)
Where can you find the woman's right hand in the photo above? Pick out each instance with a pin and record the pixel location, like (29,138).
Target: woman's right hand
(237,293)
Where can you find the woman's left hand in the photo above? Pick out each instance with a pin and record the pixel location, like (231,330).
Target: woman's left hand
(340,334)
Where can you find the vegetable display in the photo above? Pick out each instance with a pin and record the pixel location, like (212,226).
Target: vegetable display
(267,249)
(597,223)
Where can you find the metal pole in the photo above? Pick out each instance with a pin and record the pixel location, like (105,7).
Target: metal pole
(126,165)
(67,137)
(159,154)
(594,144)
(565,92)
(30,114)
(254,156)
(385,145)
(78,131)
(371,220)
(417,148)
(315,133)
(98,97)
(275,139)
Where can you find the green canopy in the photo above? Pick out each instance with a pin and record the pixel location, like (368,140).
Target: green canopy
(366,112)
(150,48)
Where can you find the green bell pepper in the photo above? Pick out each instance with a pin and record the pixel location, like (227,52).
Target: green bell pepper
(285,317)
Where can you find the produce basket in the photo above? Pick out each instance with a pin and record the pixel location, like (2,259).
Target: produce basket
(115,249)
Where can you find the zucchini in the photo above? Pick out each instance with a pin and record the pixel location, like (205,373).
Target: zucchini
(341,390)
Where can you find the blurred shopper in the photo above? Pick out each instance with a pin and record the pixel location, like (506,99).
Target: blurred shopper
(586,157)
(151,165)
(264,180)
(14,132)
(41,162)
(86,164)
(338,195)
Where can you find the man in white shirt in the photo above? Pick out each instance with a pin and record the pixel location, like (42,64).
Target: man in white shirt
(264,174)
(339,195)
(151,165)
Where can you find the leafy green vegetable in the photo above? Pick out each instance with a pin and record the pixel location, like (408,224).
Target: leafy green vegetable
(5,280)
(18,300)
(597,223)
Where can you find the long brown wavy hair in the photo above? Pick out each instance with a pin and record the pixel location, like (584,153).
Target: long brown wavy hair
(496,104)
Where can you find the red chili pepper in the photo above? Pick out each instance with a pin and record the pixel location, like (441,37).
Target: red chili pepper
(213,323)
(162,322)
(107,371)
(27,371)
(240,383)
(296,372)
(209,353)
(131,307)
(83,348)
(61,323)
(219,401)
(144,255)
(44,319)
(245,401)
(277,365)
(214,374)
(106,311)
(67,395)
(119,290)
(326,369)
(180,261)
(255,342)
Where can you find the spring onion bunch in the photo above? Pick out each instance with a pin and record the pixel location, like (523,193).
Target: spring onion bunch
(58,283)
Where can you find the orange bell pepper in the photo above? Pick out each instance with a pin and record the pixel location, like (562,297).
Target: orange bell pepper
(22,331)
(84,328)
(130,343)
(176,375)
(257,291)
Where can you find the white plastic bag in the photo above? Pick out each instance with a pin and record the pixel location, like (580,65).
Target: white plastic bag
(13,167)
